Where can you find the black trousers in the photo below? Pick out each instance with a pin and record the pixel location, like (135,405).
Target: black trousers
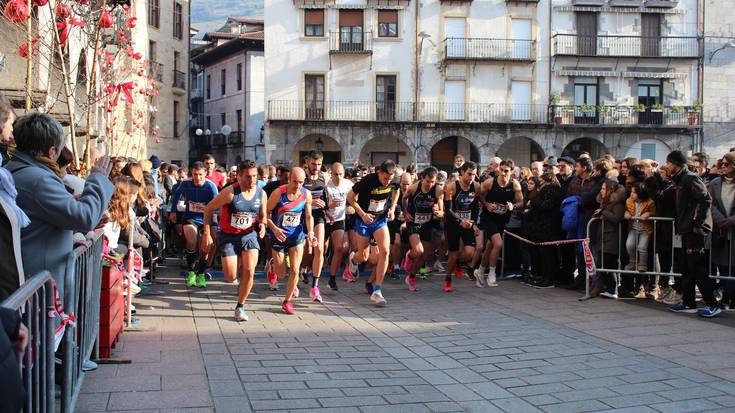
(695,271)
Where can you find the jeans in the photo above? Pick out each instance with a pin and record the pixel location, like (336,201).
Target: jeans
(637,242)
(695,269)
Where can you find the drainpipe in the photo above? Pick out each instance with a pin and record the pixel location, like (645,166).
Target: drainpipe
(701,22)
(417,93)
(548,96)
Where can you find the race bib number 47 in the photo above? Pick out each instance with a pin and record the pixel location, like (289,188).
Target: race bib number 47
(291,219)
(242,221)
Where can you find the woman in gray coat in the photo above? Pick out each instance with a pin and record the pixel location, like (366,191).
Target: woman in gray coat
(55,214)
(722,191)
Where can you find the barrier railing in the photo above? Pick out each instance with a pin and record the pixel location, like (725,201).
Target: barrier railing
(32,300)
(82,298)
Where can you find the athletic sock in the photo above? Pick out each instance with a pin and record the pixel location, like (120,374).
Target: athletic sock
(314,282)
(377,288)
(492,270)
(482,270)
(191,259)
(239,306)
(448,278)
(412,275)
(201,266)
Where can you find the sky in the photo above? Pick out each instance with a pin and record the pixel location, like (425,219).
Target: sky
(209,15)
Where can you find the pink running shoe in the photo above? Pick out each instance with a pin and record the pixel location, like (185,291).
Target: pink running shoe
(347,274)
(411,282)
(272,277)
(408,262)
(315,294)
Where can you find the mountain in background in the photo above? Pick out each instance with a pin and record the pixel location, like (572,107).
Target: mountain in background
(210,15)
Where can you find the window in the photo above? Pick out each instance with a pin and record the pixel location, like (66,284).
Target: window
(178,20)
(223,82)
(209,122)
(208,86)
(222,119)
(385,97)
(154,13)
(314,22)
(350,30)
(585,101)
(387,23)
(649,94)
(176,119)
(239,120)
(314,96)
(239,76)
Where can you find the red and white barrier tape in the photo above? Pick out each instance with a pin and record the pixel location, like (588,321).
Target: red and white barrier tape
(589,261)
(58,310)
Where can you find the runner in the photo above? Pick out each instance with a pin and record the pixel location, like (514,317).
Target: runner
(195,193)
(286,206)
(423,202)
(212,173)
(336,194)
(462,206)
(284,174)
(242,222)
(498,195)
(397,228)
(315,184)
(374,200)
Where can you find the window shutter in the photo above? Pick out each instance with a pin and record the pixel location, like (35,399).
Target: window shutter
(350,18)
(315,17)
(388,16)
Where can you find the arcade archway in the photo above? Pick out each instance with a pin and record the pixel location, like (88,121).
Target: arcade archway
(521,150)
(443,152)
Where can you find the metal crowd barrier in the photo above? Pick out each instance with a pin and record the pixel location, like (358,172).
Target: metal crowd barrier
(32,300)
(82,298)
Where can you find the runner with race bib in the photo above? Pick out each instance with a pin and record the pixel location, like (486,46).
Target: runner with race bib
(287,206)
(336,194)
(242,222)
(315,184)
(423,202)
(462,207)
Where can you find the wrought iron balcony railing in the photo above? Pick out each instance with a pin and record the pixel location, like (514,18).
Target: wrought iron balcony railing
(626,46)
(155,70)
(179,79)
(667,116)
(406,111)
(351,42)
(458,48)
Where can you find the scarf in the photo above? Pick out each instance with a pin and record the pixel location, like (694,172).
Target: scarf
(8,193)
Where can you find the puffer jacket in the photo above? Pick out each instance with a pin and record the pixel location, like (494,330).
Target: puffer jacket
(612,214)
(693,203)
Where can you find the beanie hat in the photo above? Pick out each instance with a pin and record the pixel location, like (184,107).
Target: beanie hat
(156,161)
(730,156)
(677,157)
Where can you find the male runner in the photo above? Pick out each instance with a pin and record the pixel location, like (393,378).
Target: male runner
(423,202)
(397,227)
(284,174)
(336,194)
(374,200)
(462,207)
(286,206)
(242,222)
(499,196)
(212,173)
(315,184)
(196,193)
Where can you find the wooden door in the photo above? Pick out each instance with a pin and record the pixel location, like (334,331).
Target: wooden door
(650,34)
(586,33)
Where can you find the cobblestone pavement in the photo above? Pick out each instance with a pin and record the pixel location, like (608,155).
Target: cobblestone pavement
(505,349)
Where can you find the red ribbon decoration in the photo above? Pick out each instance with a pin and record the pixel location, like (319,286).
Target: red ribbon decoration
(58,310)
(126,88)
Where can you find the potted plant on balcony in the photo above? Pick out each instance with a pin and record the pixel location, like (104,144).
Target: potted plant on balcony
(693,113)
(587,108)
(677,109)
(640,108)
(554,101)
(657,107)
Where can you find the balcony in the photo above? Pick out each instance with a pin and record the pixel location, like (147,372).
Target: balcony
(236,138)
(667,116)
(196,92)
(365,111)
(626,46)
(523,1)
(155,70)
(662,3)
(456,48)
(589,2)
(626,3)
(179,80)
(350,42)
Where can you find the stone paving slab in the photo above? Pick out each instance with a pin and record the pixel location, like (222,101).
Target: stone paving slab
(506,349)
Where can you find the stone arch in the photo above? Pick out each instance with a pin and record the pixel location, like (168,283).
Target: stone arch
(591,145)
(521,150)
(383,147)
(331,149)
(443,151)
(655,149)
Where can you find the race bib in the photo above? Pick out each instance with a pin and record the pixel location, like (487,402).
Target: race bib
(197,207)
(677,241)
(464,215)
(376,206)
(501,209)
(291,219)
(242,220)
(422,218)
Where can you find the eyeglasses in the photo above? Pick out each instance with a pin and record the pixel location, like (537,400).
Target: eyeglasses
(725,164)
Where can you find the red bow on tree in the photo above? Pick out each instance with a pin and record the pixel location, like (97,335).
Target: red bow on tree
(126,88)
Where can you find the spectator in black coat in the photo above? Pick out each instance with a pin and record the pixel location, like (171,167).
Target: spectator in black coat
(13,341)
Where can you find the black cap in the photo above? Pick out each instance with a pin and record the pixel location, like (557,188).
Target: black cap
(551,161)
(567,159)
(677,157)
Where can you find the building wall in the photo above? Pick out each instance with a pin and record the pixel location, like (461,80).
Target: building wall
(719,76)
(255,112)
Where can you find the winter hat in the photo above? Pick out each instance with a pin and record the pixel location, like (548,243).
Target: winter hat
(156,161)
(730,157)
(677,157)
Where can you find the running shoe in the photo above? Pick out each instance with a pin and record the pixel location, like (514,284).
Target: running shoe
(369,287)
(411,283)
(315,294)
(352,265)
(347,275)
(394,274)
(333,283)
(191,279)
(438,266)
(288,307)
(302,275)
(407,262)
(377,298)
(422,273)
(681,308)
(458,272)
(491,280)
(241,314)
(479,279)
(607,294)
(709,312)
(448,285)
(202,281)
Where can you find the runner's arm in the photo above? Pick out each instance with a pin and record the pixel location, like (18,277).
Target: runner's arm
(484,187)
(224,198)
(352,201)
(409,192)
(263,213)
(440,203)
(449,213)
(518,195)
(271,205)
(309,218)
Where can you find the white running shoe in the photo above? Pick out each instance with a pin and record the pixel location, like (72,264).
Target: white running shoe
(491,280)
(479,279)
(378,299)
(241,314)
(353,267)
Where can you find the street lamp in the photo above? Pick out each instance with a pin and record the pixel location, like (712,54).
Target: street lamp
(729,45)
(199,132)
(207,132)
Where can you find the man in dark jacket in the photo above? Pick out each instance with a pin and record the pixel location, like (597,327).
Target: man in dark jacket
(13,341)
(584,185)
(693,225)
